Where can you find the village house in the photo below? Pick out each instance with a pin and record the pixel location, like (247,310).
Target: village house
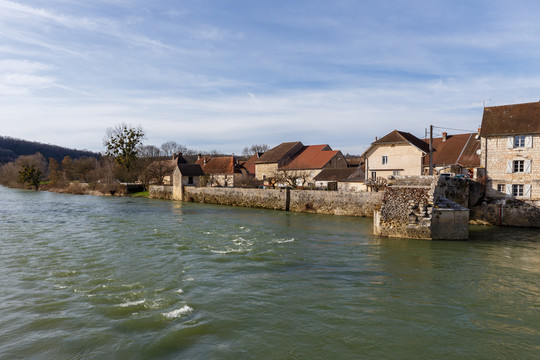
(401,153)
(455,154)
(397,153)
(510,152)
(294,164)
(341,179)
(221,171)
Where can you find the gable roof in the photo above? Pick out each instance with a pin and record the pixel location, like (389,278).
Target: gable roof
(190,169)
(511,120)
(456,150)
(249,164)
(311,157)
(221,165)
(339,174)
(402,137)
(277,153)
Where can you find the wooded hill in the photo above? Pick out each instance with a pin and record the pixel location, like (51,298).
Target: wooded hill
(11,148)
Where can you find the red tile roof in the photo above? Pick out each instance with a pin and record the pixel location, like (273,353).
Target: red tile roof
(222,165)
(511,120)
(311,157)
(249,165)
(456,150)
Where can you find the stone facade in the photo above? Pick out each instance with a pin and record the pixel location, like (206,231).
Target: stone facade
(266,171)
(508,166)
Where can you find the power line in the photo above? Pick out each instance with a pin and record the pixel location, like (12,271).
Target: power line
(443,128)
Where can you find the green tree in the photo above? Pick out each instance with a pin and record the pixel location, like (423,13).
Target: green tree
(122,143)
(29,175)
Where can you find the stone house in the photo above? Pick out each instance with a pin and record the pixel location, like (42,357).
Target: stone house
(221,171)
(397,153)
(457,154)
(294,164)
(341,179)
(510,152)
(401,153)
(185,175)
(266,167)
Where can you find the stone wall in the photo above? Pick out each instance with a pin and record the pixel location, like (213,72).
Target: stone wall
(406,212)
(160,192)
(336,203)
(320,202)
(465,192)
(256,198)
(508,213)
(421,212)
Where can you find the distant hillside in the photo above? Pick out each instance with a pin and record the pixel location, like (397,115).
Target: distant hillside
(11,148)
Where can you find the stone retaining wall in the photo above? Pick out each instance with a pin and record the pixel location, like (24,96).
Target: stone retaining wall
(508,213)
(336,203)
(320,202)
(160,192)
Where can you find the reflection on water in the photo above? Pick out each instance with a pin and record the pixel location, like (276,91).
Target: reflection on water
(91,277)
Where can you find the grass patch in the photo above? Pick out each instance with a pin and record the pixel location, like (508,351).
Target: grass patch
(142,194)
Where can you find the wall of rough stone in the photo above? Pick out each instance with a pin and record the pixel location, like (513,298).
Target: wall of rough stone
(406,212)
(336,203)
(160,192)
(508,213)
(320,202)
(256,198)
(411,180)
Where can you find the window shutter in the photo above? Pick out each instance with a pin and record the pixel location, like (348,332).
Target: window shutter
(508,188)
(509,167)
(528,141)
(527,191)
(528,166)
(510,142)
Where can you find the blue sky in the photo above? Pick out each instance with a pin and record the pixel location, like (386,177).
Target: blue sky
(216,74)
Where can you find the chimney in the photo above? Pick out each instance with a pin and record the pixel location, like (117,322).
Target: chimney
(375,138)
(204,160)
(444,136)
(174,156)
(198,156)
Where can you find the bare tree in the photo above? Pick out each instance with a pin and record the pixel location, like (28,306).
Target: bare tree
(292,178)
(170,148)
(253,149)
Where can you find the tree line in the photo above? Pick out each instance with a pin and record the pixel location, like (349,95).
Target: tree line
(11,148)
(125,159)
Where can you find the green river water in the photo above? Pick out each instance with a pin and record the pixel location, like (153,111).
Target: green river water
(87,277)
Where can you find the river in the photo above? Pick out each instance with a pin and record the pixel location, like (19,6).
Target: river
(86,277)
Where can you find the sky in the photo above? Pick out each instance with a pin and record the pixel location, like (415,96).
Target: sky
(223,75)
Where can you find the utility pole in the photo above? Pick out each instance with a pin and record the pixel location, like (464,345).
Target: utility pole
(430,149)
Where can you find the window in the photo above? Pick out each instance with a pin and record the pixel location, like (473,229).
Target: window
(385,159)
(373,174)
(519,141)
(395,172)
(501,188)
(517,190)
(519,166)
(190,180)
